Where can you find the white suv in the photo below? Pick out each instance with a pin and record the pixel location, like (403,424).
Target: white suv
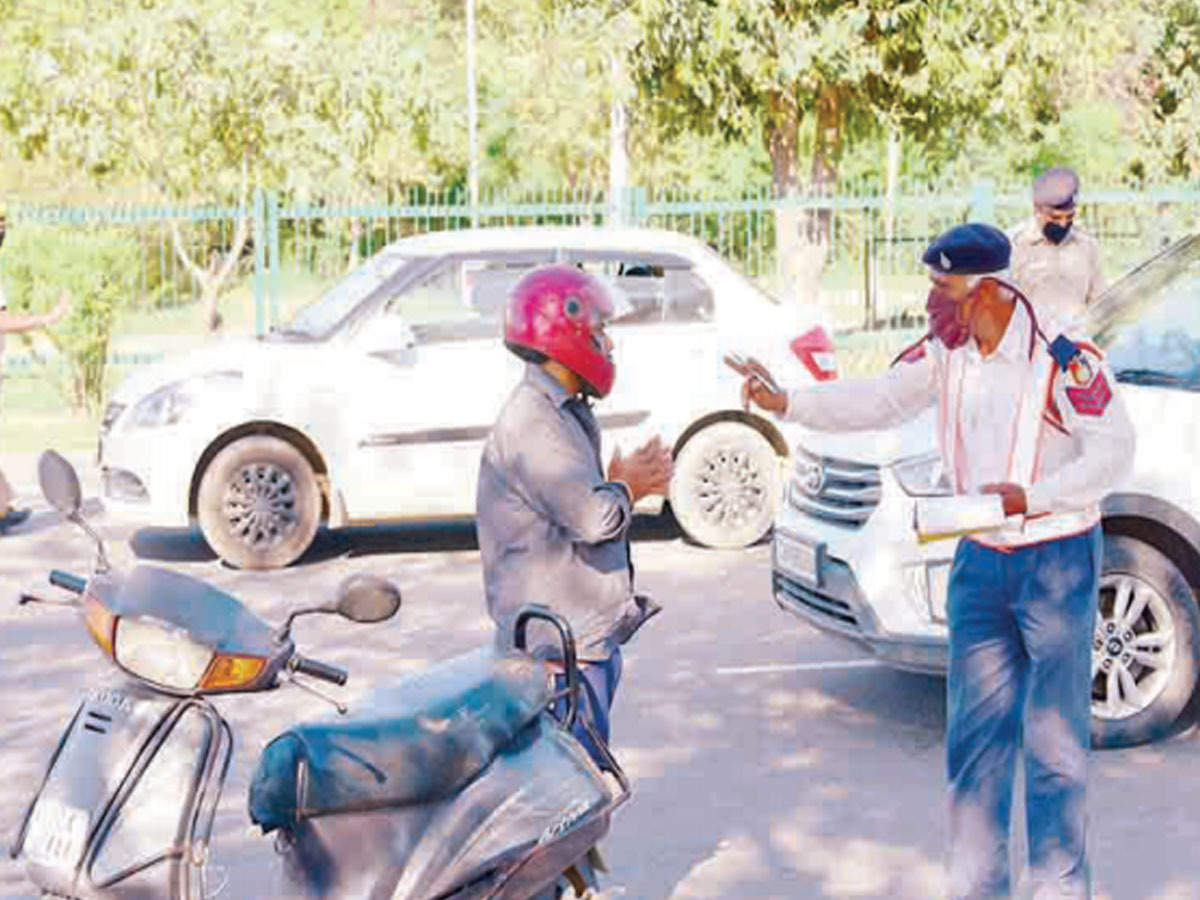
(372,405)
(845,557)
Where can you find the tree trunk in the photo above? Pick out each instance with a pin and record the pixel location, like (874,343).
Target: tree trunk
(783,146)
(213,277)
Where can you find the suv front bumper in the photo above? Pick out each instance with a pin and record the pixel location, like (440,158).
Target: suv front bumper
(838,608)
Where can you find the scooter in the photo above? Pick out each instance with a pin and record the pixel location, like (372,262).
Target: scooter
(460,783)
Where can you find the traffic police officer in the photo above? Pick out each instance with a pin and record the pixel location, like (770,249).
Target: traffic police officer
(1054,262)
(1035,418)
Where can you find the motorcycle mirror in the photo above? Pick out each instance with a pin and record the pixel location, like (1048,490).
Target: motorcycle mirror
(367,598)
(60,484)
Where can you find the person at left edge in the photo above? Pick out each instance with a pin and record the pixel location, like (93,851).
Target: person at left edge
(1039,422)
(16,323)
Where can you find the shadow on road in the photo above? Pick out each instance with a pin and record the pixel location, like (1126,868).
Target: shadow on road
(188,545)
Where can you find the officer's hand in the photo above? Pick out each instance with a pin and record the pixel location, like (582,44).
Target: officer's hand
(647,470)
(1012,496)
(754,387)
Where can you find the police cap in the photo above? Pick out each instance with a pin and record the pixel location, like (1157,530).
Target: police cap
(1056,188)
(971,249)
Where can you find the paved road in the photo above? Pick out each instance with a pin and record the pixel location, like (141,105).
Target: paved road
(768,760)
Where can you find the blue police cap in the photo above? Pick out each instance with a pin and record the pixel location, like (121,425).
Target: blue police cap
(971,249)
(1056,188)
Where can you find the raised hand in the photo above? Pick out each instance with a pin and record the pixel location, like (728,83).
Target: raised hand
(647,470)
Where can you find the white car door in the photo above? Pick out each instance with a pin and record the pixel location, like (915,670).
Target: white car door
(432,374)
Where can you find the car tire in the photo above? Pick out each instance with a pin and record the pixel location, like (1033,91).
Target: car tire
(1145,581)
(259,503)
(725,486)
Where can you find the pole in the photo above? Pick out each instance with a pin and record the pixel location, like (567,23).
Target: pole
(618,131)
(472,119)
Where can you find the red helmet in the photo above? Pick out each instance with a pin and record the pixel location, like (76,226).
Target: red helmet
(557,312)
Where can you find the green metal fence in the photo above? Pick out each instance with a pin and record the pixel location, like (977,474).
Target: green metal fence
(868,244)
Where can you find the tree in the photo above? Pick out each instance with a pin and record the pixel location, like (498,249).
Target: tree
(1169,86)
(808,78)
(203,102)
(96,265)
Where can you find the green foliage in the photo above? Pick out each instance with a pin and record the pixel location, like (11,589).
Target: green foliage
(95,265)
(935,71)
(1170,87)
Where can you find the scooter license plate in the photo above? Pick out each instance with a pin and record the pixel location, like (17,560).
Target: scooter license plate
(57,833)
(797,557)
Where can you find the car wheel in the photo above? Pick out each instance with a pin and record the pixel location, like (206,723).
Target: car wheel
(725,486)
(259,503)
(1145,651)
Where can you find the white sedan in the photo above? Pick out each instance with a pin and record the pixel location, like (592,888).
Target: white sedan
(373,403)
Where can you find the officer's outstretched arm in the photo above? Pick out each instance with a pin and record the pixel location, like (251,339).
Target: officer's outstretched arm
(865,404)
(560,479)
(1103,436)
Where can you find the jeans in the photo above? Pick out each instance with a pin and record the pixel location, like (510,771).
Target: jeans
(597,688)
(1021,626)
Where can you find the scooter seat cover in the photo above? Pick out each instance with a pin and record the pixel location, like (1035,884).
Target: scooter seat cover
(417,741)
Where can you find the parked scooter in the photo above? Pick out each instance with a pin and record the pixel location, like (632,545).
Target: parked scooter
(457,784)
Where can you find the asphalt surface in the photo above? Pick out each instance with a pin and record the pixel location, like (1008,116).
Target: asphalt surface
(768,759)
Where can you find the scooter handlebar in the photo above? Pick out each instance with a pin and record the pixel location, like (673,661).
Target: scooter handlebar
(66,580)
(320,670)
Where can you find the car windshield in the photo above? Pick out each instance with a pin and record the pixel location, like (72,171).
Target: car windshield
(319,318)
(1149,322)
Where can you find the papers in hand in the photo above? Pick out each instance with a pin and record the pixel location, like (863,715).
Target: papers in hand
(937,518)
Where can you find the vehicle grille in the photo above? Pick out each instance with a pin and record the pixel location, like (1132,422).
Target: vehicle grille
(111,413)
(834,490)
(814,601)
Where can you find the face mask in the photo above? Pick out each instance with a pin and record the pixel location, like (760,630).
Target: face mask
(1054,232)
(943,319)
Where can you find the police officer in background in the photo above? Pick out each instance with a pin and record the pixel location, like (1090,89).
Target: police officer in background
(1038,420)
(1054,262)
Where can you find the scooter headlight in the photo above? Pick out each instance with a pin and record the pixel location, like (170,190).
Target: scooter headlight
(922,476)
(156,652)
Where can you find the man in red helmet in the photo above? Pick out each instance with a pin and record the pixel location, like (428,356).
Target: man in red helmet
(552,525)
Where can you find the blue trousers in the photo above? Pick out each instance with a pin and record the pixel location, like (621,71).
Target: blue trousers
(1021,626)
(597,688)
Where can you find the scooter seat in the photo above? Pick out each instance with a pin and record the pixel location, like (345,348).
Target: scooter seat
(418,741)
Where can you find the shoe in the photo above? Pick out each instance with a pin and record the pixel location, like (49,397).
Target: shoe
(13,518)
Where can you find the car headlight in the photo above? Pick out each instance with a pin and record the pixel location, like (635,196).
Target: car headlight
(156,652)
(922,476)
(170,403)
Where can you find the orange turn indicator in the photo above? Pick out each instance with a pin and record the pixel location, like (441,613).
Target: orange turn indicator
(232,672)
(100,623)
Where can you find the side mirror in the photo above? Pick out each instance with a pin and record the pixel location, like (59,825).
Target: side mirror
(387,334)
(367,598)
(60,484)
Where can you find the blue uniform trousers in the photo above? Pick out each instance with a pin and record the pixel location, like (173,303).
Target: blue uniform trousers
(1021,626)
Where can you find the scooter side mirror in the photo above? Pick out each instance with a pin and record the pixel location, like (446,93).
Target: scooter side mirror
(60,484)
(367,598)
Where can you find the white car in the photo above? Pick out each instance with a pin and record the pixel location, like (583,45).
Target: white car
(373,404)
(845,557)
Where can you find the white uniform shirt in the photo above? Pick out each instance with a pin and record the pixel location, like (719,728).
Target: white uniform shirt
(1084,446)
(1060,280)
